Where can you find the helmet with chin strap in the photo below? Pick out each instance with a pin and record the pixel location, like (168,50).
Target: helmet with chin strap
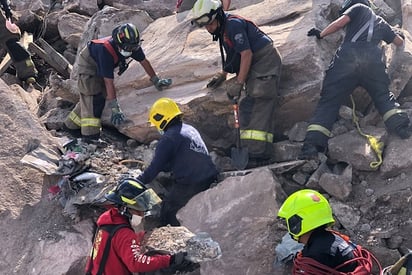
(304,211)
(205,11)
(132,193)
(127,37)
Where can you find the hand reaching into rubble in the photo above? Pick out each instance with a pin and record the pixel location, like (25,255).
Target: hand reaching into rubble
(179,261)
(160,83)
(216,80)
(117,117)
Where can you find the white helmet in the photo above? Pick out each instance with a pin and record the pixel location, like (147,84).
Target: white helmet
(205,11)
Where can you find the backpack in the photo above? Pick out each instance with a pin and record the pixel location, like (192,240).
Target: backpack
(362,257)
(111,229)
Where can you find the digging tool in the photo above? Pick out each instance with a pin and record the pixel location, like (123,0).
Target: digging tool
(239,155)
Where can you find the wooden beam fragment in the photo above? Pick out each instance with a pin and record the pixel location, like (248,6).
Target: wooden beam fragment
(52,57)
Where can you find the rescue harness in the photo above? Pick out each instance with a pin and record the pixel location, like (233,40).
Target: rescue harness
(363,258)
(123,65)
(111,229)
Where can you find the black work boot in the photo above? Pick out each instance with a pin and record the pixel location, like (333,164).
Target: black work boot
(310,151)
(404,132)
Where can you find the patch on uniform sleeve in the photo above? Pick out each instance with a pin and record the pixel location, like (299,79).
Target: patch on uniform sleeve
(239,38)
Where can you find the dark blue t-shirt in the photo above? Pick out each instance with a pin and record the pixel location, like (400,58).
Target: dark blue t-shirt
(104,59)
(359,15)
(329,249)
(243,35)
(181,151)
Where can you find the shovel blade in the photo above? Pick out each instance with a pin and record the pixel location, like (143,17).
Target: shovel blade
(240,158)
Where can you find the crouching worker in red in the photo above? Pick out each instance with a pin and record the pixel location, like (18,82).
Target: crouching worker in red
(308,218)
(116,247)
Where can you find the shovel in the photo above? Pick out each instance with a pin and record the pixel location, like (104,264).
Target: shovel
(239,155)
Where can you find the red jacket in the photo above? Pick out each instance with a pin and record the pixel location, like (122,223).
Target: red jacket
(125,255)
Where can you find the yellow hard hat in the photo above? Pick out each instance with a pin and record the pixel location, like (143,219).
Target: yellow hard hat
(162,112)
(304,211)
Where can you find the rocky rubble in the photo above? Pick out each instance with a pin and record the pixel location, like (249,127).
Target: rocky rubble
(371,204)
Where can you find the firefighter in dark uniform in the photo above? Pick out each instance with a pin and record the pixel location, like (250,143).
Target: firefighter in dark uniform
(308,218)
(357,62)
(9,40)
(250,54)
(182,151)
(96,65)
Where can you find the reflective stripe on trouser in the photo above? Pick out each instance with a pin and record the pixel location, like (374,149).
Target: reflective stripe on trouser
(257,108)
(256,135)
(88,125)
(390,113)
(317,135)
(90,108)
(25,69)
(354,64)
(396,120)
(256,124)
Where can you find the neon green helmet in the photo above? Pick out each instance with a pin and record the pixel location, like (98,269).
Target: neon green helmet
(162,112)
(304,211)
(205,11)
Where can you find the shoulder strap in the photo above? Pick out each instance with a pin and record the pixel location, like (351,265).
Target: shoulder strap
(106,43)
(111,229)
(369,24)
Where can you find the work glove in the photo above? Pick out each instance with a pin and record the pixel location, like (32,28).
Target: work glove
(216,80)
(117,115)
(314,32)
(178,261)
(400,33)
(233,88)
(159,83)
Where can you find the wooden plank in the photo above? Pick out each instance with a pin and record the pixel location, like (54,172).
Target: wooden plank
(5,64)
(52,57)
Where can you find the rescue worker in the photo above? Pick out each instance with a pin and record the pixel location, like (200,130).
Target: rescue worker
(96,65)
(251,55)
(308,217)
(180,150)
(116,247)
(184,5)
(357,62)
(9,40)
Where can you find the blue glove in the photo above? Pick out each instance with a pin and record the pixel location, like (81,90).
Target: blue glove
(159,83)
(117,115)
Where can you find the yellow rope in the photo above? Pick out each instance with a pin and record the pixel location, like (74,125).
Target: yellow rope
(377,146)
